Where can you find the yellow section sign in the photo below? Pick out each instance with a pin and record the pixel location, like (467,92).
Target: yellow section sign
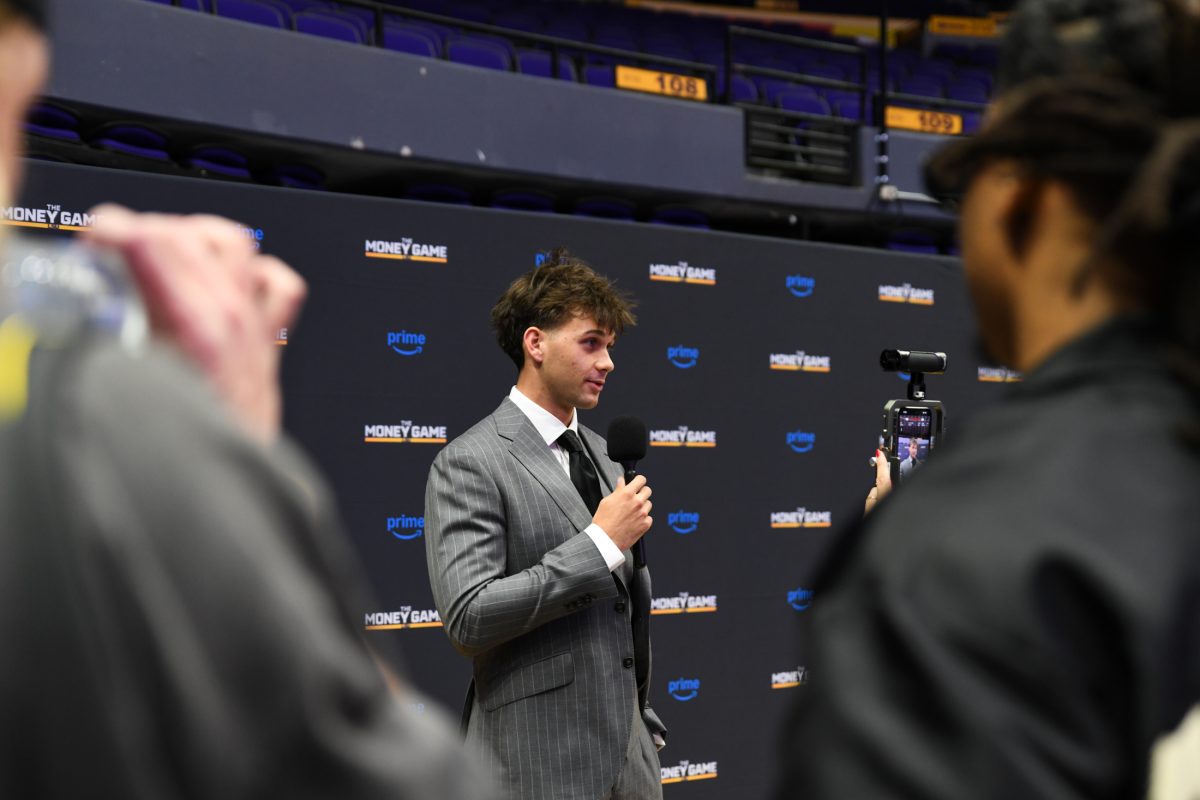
(665,83)
(983,27)
(923,121)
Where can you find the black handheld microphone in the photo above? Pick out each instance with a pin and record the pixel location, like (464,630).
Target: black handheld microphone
(627,446)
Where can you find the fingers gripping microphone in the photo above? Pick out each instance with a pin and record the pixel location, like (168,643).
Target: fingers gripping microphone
(627,446)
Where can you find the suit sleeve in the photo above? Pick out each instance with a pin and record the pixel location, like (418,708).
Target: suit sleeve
(466,531)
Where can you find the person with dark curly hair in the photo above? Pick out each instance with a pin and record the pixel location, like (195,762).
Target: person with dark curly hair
(1022,618)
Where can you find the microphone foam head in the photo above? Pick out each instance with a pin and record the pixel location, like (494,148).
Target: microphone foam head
(627,439)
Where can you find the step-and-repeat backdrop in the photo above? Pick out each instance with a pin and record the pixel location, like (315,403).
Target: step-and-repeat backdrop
(754,365)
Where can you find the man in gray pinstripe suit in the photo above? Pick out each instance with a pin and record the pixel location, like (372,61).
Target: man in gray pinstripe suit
(528,530)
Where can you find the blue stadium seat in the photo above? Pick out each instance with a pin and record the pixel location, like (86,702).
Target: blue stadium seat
(408,39)
(968,90)
(744,90)
(52,122)
(132,139)
(600,75)
(297,176)
(296,6)
(567,28)
(519,19)
(524,200)
(329,25)
(537,62)
(605,208)
(220,161)
(925,86)
(770,89)
(803,101)
(478,52)
(191,5)
(439,33)
(257,12)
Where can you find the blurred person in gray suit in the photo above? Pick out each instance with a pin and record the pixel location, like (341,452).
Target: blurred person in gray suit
(528,533)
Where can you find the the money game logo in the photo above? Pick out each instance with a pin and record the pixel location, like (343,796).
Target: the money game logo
(801,441)
(684,522)
(405,618)
(789,678)
(800,599)
(800,361)
(802,518)
(407,343)
(801,285)
(684,603)
(905,293)
(406,527)
(405,433)
(684,689)
(52,216)
(683,272)
(407,250)
(689,771)
(683,357)
(999,375)
(682,436)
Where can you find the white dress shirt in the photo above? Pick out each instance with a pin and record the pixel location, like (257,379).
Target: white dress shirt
(550,427)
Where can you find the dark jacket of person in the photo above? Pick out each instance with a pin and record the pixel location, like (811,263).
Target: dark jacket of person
(1022,618)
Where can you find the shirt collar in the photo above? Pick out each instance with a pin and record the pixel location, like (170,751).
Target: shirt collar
(548,426)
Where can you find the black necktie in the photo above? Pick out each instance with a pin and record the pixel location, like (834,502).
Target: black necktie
(583,474)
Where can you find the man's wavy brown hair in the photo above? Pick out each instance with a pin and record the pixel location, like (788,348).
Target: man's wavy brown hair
(562,287)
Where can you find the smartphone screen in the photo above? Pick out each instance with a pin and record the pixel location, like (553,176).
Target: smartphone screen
(915,438)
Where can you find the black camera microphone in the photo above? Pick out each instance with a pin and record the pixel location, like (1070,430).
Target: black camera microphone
(627,446)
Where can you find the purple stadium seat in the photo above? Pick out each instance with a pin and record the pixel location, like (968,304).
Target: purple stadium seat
(621,40)
(407,39)
(680,216)
(220,161)
(977,74)
(924,86)
(537,62)
(825,71)
(802,101)
(297,176)
(478,53)
(605,208)
(770,89)
(971,121)
(365,17)
(52,122)
(744,90)
(439,33)
(297,6)
(519,19)
(330,26)
(190,5)
(438,193)
(524,200)
(934,69)
(600,75)
(567,28)
(967,90)
(135,140)
(254,11)
(471,12)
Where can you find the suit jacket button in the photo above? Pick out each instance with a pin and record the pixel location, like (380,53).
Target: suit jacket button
(627,663)
(620,607)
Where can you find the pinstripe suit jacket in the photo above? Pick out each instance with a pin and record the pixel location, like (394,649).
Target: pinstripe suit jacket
(561,645)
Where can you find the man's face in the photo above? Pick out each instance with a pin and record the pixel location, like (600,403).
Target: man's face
(575,363)
(912,449)
(24,63)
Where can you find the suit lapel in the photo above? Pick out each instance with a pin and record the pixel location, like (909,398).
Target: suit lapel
(528,448)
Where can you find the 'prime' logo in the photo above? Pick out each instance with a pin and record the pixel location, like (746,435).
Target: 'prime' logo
(906,293)
(407,250)
(800,285)
(406,527)
(683,521)
(683,357)
(801,441)
(684,603)
(684,689)
(689,771)
(800,599)
(406,343)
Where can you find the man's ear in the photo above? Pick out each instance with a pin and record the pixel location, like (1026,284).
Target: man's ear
(534,342)
(1019,213)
